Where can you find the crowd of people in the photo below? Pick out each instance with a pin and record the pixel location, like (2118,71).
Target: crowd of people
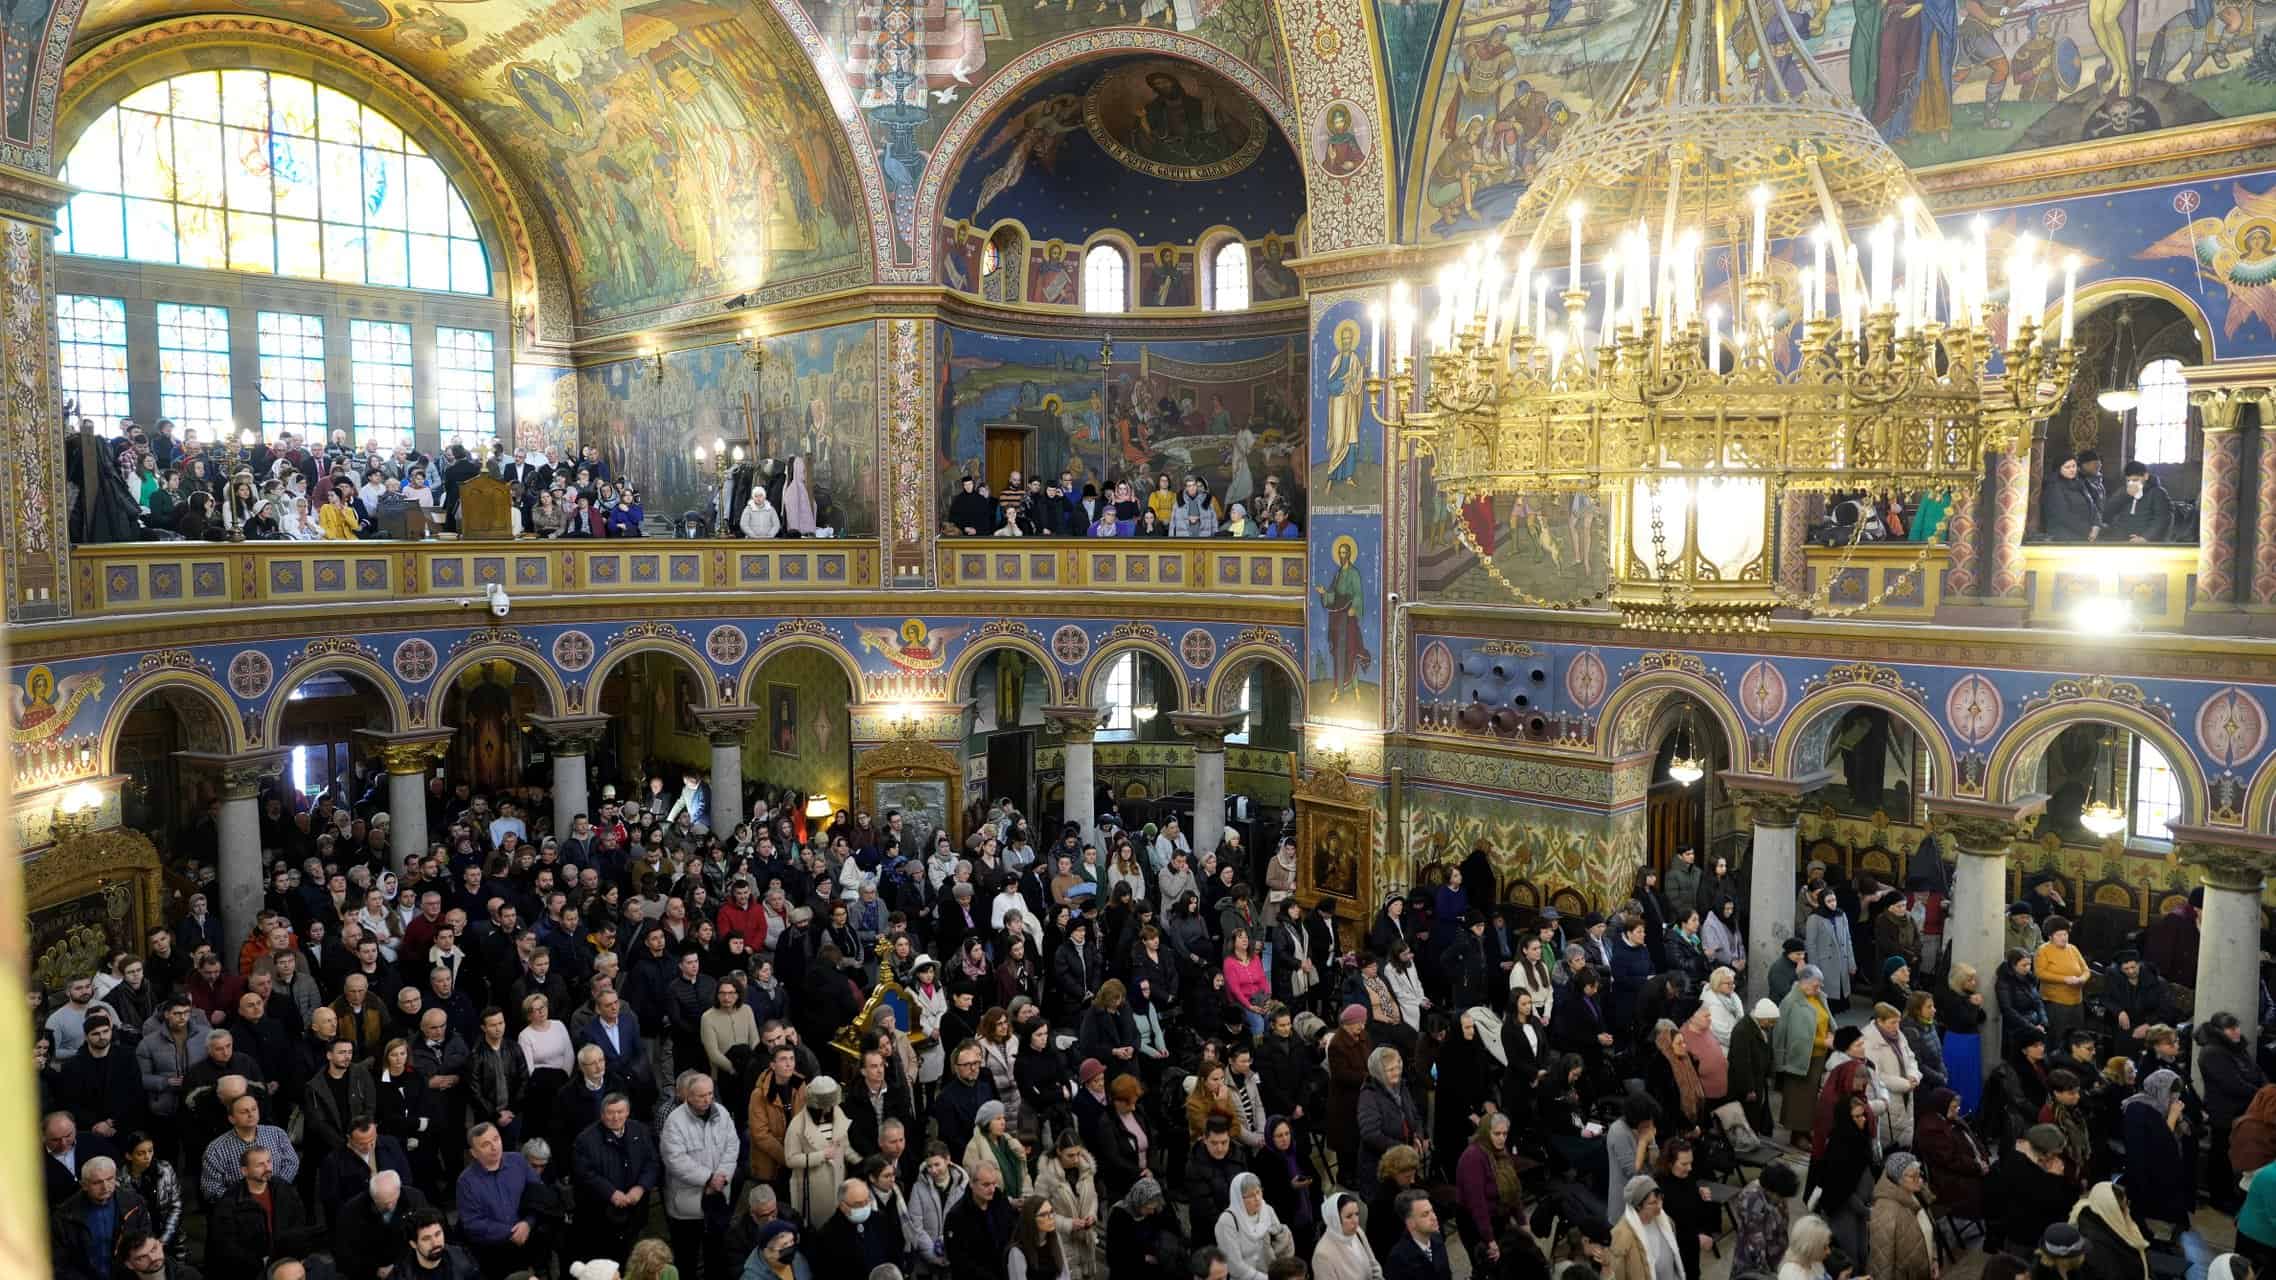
(2076,503)
(632,1047)
(1030,508)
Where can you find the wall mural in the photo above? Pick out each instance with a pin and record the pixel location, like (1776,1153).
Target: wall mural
(1227,410)
(545,407)
(1054,273)
(1953,81)
(601,105)
(1555,848)
(817,400)
(1156,147)
(1973,716)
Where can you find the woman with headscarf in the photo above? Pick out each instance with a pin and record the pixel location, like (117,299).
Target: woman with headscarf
(1493,1203)
(1673,1080)
(1251,1236)
(797,502)
(1901,1239)
(1847,1073)
(1343,1252)
(1956,1160)
(1960,1017)
(1826,934)
(1387,1114)
(1035,1253)
(2116,1248)
(1644,1246)
(1466,1074)
(816,1151)
(1840,1174)
(2161,1150)
(1290,1187)
(1142,1241)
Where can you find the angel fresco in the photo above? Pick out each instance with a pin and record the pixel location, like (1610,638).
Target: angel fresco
(1035,135)
(2238,250)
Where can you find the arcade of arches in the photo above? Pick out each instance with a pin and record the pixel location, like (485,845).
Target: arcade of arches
(602,451)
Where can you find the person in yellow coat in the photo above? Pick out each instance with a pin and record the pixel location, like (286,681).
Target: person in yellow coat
(2062,978)
(337,519)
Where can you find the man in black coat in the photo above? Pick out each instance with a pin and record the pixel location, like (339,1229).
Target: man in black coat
(1421,1251)
(67,1150)
(979,1228)
(431,1257)
(2139,512)
(957,1108)
(857,1238)
(872,1100)
(1210,1169)
(364,1153)
(79,1253)
(370,1229)
(2033,1191)
(101,1084)
(615,1165)
(257,1219)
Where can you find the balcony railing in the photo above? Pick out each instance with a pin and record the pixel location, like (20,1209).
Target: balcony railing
(1250,566)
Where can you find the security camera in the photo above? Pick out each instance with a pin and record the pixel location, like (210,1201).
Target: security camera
(501,604)
(1394,597)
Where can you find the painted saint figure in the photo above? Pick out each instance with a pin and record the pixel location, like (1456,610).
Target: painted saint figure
(1344,597)
(1347,403)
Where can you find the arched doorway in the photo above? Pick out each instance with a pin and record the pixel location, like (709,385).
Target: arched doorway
(1008,690)
(1688,753)
(488,703)
(801,745)
(159,797)
(1260,752)
(651,698)
(318,726)
(1135,691)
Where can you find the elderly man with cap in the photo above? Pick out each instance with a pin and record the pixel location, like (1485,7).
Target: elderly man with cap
(1800,1045)
(2034,1191)
(1753,1066)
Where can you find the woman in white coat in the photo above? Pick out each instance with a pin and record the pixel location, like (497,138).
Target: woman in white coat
(1343,1252)
(815,1148)
(1895,1069)
(1250,1233)
(1725,1010)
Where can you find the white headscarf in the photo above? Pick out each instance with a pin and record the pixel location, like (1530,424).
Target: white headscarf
(797,502)
(1354,1246)
(1264,1222)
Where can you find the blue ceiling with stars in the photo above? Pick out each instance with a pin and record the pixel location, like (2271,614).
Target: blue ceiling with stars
(1068,157)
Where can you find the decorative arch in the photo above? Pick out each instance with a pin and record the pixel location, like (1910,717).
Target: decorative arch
(1791,757)
(2022,747)
(1235,662)
(523,273)
(1705,692)
(1086,683)
(965,130)
(967,662)
(194,683)
(2260,798)
(556,696)
(686,655)
(765,653)
(2094,296)
(399,715)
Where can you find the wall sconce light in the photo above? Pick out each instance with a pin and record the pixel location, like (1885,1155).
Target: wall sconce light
(1333,748)
(652,364)
(76,810)
(818,808)
(86,755)
(754,350)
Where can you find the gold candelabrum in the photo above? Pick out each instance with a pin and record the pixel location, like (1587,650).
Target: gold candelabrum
(1683,378)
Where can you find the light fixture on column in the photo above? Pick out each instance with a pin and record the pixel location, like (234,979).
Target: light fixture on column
(1333,749)
(2099,816)
(1685,767)
(819,808)
(76,810)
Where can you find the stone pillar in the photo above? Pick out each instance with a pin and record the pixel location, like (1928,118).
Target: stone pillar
(238,862)
(2264,523)
(2235,870)
(1078,732)
(1960,542)
(407,757)
(569,740)
(727,731)
(1208,735)
(1771,880)
(2219,500)
(1794,544)
(35,546)
(2011,502)
(1975,924)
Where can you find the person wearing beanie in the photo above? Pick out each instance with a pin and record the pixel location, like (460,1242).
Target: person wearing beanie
(1761,1220)
(1896,982)
(2062,977)
(1782,970)
(1753,1064)
(1901,1239)
(1800,1045)
(1348,1050)
(2033,1191)
(1644,1246)
(817,1149)
(2059,1254)
(2023,928)
(2021,1008)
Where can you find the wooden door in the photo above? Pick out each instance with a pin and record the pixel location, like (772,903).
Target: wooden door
(1675,820)
(1007,452)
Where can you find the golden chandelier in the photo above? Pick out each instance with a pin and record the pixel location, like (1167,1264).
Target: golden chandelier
(1694,423)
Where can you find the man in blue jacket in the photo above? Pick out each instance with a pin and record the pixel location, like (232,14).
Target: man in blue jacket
(502,1238)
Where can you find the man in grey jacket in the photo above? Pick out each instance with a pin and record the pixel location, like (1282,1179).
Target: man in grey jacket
(700,1146)
(1193,517)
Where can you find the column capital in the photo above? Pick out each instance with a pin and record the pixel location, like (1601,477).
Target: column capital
(1775,802)
(37,194)
(241,775)
(2227,859)
(727,726)
(1077,724)
(2218,407)
(1207,731)
(570,735)
(1983,829)
(407,753)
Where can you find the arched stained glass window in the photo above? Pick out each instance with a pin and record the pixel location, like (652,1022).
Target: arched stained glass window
(1229,286)
(1105,279)
(248,170)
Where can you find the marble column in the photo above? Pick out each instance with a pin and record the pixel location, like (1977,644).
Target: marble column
(2011,501)
(1077,727)
(1960,542)
(2219,500)
(1771,870)
(2264,524)
(569,740)
(727,731)
(1975,924)
(407,757)
(1207,732)
(1794,543)
(238,861)
(2235,869)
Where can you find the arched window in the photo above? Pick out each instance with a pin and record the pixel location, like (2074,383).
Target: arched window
(250,170)
(1119,694)
(2157,793)
(1106,275)
(2161,420)
(1229,283)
